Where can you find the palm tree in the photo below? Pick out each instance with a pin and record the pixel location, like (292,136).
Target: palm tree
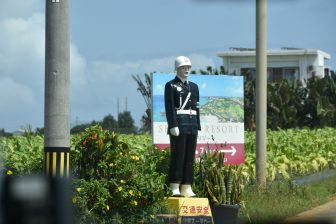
(145,88)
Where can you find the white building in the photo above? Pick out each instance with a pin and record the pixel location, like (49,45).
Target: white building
(286,63)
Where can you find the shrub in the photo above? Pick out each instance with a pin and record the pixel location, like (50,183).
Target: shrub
(22,155)
(117,174)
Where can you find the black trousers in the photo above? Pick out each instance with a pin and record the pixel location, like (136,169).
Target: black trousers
(182,157)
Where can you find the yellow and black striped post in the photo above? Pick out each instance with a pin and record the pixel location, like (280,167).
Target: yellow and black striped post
(57,161)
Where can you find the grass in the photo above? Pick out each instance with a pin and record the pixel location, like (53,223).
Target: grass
(283,199)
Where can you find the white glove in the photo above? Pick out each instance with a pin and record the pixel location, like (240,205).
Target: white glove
(175,131)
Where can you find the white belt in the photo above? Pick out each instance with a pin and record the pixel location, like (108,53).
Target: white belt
(190,112)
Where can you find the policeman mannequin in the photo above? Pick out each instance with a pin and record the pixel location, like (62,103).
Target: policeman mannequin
(182,112)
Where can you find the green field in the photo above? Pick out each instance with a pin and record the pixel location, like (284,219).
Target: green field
(123,177)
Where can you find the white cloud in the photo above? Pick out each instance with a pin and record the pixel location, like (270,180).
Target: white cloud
(19,105)
(161,65)
(22,93)
(95,85)
(105,81)
(21,70)
(22,50)
(19,8)
(166,64)
(199,61)
(78,68)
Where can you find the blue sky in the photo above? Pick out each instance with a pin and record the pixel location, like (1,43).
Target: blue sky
(223,85)
(111,40)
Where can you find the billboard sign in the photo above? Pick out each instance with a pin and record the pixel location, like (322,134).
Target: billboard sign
(221,114)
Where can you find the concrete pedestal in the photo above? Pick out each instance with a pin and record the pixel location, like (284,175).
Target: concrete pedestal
(191,210)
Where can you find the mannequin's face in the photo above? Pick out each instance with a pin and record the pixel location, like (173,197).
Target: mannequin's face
(183,71)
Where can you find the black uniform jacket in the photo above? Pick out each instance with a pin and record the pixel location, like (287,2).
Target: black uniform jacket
(175,95)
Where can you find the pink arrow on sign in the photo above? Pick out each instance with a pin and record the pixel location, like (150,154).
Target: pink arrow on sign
(233,150)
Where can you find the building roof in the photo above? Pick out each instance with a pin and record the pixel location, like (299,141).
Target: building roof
(239,52)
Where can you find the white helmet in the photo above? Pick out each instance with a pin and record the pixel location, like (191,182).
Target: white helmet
(181,61)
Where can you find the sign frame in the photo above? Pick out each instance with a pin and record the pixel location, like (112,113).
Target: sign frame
(221,111)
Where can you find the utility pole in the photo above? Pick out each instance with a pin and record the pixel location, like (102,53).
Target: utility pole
(56,105)
(126,103)
(261,89)
(118,107)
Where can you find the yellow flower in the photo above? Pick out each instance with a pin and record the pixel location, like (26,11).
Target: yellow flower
(120,154)
(9,172)
(135,157)
(111,164)
(135,203)
(74,200)
(139,193)
(79,189)
(122,181)
(120,188)
(130,192)
(107,207)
